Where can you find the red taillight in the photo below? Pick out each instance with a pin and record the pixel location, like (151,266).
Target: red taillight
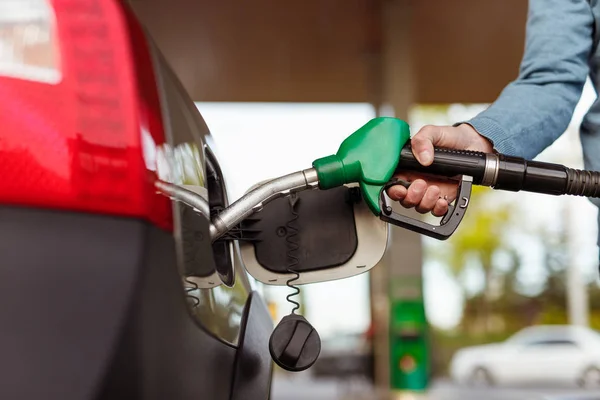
(78,142)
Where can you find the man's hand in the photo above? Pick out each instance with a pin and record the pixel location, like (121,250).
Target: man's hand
(426,194)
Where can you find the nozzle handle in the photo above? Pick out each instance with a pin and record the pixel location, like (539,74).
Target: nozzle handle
(446,163)
(503,172)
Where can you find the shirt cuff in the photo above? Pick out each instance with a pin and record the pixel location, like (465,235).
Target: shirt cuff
(492,131)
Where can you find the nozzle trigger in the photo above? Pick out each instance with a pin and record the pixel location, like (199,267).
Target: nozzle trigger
(449,222)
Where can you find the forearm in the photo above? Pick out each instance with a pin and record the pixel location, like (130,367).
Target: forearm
(533,111)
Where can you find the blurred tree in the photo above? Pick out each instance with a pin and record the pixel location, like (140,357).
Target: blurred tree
(479,239)
(504,304)
(594,296)
(554,294)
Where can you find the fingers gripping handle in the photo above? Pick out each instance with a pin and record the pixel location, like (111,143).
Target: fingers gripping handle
(448,224)
(448,163)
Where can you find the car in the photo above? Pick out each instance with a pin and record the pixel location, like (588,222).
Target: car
(550,354)
(120,277)
(110,289)
(345,356)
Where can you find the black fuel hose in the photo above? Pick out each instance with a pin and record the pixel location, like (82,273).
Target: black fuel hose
(505,172)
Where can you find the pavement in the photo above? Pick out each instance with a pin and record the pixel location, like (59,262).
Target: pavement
(304,387)
(446,390)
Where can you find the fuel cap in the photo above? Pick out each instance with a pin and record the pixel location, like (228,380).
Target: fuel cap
(294,345)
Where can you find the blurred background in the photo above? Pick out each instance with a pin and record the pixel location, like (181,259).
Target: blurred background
(281,83)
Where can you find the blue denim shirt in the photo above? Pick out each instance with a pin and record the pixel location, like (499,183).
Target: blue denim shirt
(535,109)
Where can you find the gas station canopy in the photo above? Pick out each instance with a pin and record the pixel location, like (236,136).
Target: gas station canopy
(336,50)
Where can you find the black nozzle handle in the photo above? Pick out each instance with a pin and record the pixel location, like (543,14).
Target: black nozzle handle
(447,163)
(503,172)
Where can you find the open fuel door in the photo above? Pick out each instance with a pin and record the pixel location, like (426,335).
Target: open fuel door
(314,235)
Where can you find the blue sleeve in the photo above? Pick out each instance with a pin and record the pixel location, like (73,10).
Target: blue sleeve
(535,109)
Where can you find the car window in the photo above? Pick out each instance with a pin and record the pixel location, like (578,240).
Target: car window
(540,335)
(525,336)
(543,336)
(553,342)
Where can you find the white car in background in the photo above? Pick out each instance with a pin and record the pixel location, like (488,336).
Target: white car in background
(555,354)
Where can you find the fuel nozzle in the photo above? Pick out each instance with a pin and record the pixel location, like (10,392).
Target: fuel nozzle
(368,157)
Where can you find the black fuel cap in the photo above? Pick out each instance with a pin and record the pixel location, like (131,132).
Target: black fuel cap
(294,345)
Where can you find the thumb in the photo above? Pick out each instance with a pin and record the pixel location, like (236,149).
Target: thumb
(424,141)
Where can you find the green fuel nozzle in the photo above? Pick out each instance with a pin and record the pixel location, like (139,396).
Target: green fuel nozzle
(368,157)
(381,148)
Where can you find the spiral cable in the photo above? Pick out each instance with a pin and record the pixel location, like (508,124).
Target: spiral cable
(293,246)
(190,287)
